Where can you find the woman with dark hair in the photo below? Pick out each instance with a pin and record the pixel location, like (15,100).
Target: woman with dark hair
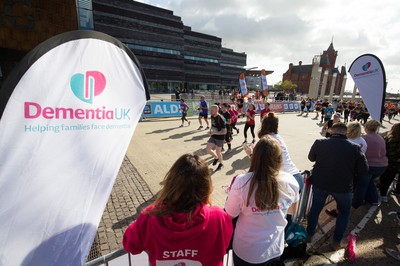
(180,226)
(184,110)
(261,199)
(269,126)
(250,123)
(392,140)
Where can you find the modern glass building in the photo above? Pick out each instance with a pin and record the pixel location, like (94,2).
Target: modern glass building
(171,54)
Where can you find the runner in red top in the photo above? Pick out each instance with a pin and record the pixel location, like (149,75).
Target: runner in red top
(265,111)
(250,122)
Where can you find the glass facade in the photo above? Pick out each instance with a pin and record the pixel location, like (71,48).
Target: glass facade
(171,54)
(85,14)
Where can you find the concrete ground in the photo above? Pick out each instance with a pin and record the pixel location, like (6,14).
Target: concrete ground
(158,142)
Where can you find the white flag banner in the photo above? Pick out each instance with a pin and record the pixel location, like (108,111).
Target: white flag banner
(369,76)
(68,113)
(242,82)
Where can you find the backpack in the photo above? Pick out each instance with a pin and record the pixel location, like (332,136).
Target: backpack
(296,238)
(295,234)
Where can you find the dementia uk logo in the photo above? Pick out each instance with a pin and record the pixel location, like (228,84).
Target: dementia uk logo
(367,70)
(85,87)
(366,66)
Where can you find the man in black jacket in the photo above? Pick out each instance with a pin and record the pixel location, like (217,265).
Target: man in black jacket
(337,163)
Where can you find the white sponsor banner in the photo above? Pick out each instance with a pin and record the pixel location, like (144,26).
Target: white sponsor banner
(264,84)
(73,106)
(369,76)
(242,82)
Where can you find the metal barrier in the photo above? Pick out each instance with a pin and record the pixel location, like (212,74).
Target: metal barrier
(305,199)
(104,260)
(135,260)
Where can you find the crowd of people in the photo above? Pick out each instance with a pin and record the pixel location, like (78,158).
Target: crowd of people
(261,202)
(349,110)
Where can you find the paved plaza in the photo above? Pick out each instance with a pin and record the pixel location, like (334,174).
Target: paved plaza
(158,142)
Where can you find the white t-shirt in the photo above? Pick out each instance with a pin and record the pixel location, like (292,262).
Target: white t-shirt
(360,142)
(287,164)
(259,235)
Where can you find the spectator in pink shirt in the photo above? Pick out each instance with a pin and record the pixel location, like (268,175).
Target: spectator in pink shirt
(180,227)
(376,157)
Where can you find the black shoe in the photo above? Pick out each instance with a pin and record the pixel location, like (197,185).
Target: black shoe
(220,166)
(215,161)
(332,213)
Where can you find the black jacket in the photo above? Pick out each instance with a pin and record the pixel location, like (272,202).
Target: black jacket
(337,163)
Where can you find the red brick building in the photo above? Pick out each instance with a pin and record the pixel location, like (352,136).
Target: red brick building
(311,80)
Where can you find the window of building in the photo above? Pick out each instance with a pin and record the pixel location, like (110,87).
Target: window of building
(152,49)
(194,58)
(85,14)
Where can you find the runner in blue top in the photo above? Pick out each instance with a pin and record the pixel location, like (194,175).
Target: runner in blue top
(329,111)
(203,108)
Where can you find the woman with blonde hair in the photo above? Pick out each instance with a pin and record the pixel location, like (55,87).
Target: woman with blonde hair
(376,157)
(180,226)
(354,135)
(261,199)
(360,187)
(392,140)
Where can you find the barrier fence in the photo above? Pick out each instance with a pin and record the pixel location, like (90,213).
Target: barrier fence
(172,108)
(121,257)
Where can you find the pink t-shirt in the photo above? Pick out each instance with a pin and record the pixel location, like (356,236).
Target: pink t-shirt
(234,115)
(172,240)
(264,112)
(376,150)
(251,113)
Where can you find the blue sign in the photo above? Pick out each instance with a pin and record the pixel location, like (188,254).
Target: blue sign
(162,109)
(291,106)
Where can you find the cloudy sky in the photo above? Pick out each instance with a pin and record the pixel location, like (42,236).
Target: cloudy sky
(274,33)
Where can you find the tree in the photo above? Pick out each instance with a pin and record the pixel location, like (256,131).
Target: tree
(286,85)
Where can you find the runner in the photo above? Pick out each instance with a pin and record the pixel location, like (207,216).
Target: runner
(228,119)
(217,135)
(203,108)
(184,108)
(250,123)
(234,117)
(265,111)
